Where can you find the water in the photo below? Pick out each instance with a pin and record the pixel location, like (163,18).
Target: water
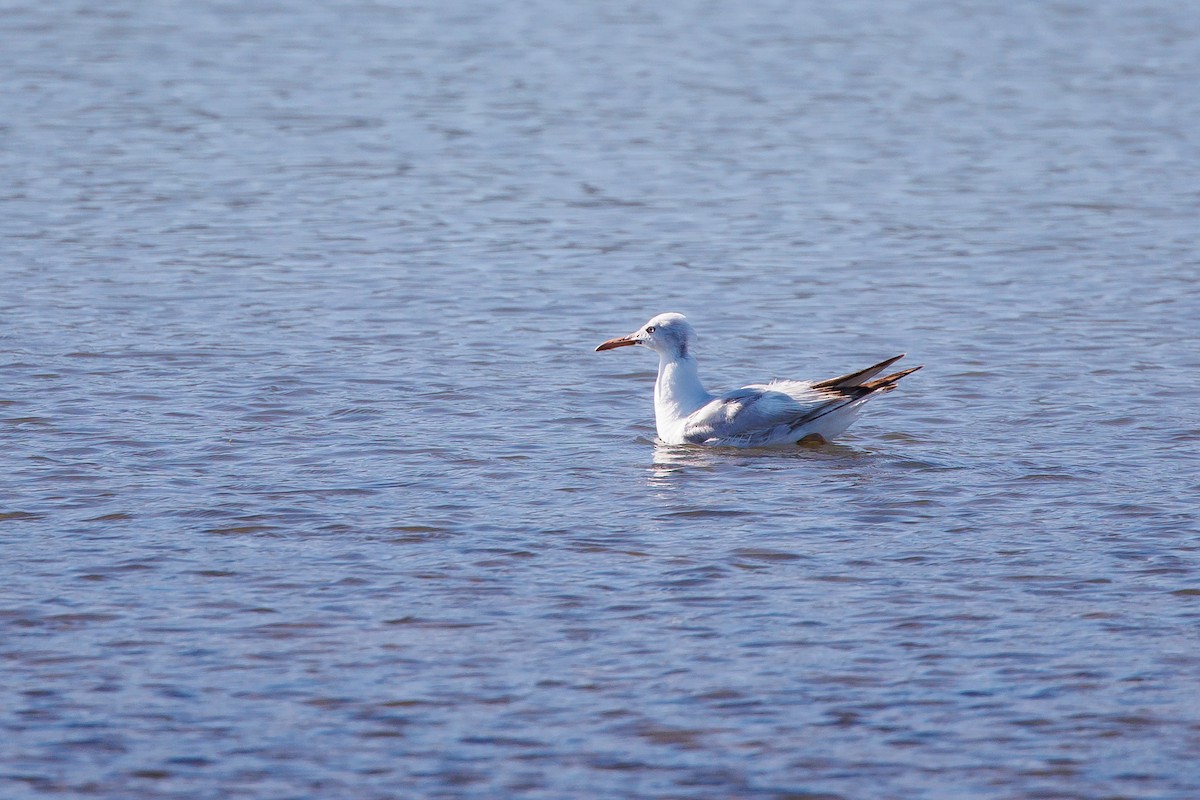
(314,488)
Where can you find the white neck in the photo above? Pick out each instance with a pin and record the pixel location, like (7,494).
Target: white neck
(677,394)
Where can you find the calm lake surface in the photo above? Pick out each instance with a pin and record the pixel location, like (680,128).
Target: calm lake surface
(312,486)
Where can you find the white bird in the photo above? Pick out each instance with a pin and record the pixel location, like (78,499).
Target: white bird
(758,415)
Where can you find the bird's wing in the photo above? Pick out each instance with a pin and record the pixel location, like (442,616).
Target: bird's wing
(761,414)
(757,414)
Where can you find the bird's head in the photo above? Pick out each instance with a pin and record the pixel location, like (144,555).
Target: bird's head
(667,334)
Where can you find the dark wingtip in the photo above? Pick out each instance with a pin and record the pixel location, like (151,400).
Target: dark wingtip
(855,379)
(889,381)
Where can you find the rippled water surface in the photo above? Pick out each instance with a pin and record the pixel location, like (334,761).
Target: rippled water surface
(313,486)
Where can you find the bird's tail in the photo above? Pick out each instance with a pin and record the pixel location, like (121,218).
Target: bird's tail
(848,393)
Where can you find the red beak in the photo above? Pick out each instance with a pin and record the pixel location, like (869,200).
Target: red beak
(620,341)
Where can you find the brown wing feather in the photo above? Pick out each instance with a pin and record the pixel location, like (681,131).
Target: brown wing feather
(857,378)
(888,382)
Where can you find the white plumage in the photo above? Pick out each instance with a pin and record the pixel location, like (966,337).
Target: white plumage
(758,415)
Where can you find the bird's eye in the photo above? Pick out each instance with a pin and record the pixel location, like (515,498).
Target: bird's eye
(650,329)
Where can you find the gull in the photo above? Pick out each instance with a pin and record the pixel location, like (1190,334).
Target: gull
(757,415)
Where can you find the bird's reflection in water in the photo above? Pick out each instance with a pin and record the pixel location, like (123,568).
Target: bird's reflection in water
(672,462)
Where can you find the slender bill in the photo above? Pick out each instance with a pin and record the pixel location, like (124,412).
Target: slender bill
(620,341)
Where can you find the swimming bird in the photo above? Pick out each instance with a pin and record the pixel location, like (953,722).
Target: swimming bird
(757,415)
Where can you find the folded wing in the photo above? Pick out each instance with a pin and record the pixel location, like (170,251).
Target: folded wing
(762,414)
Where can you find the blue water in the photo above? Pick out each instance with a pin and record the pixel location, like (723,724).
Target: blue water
(313,486)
